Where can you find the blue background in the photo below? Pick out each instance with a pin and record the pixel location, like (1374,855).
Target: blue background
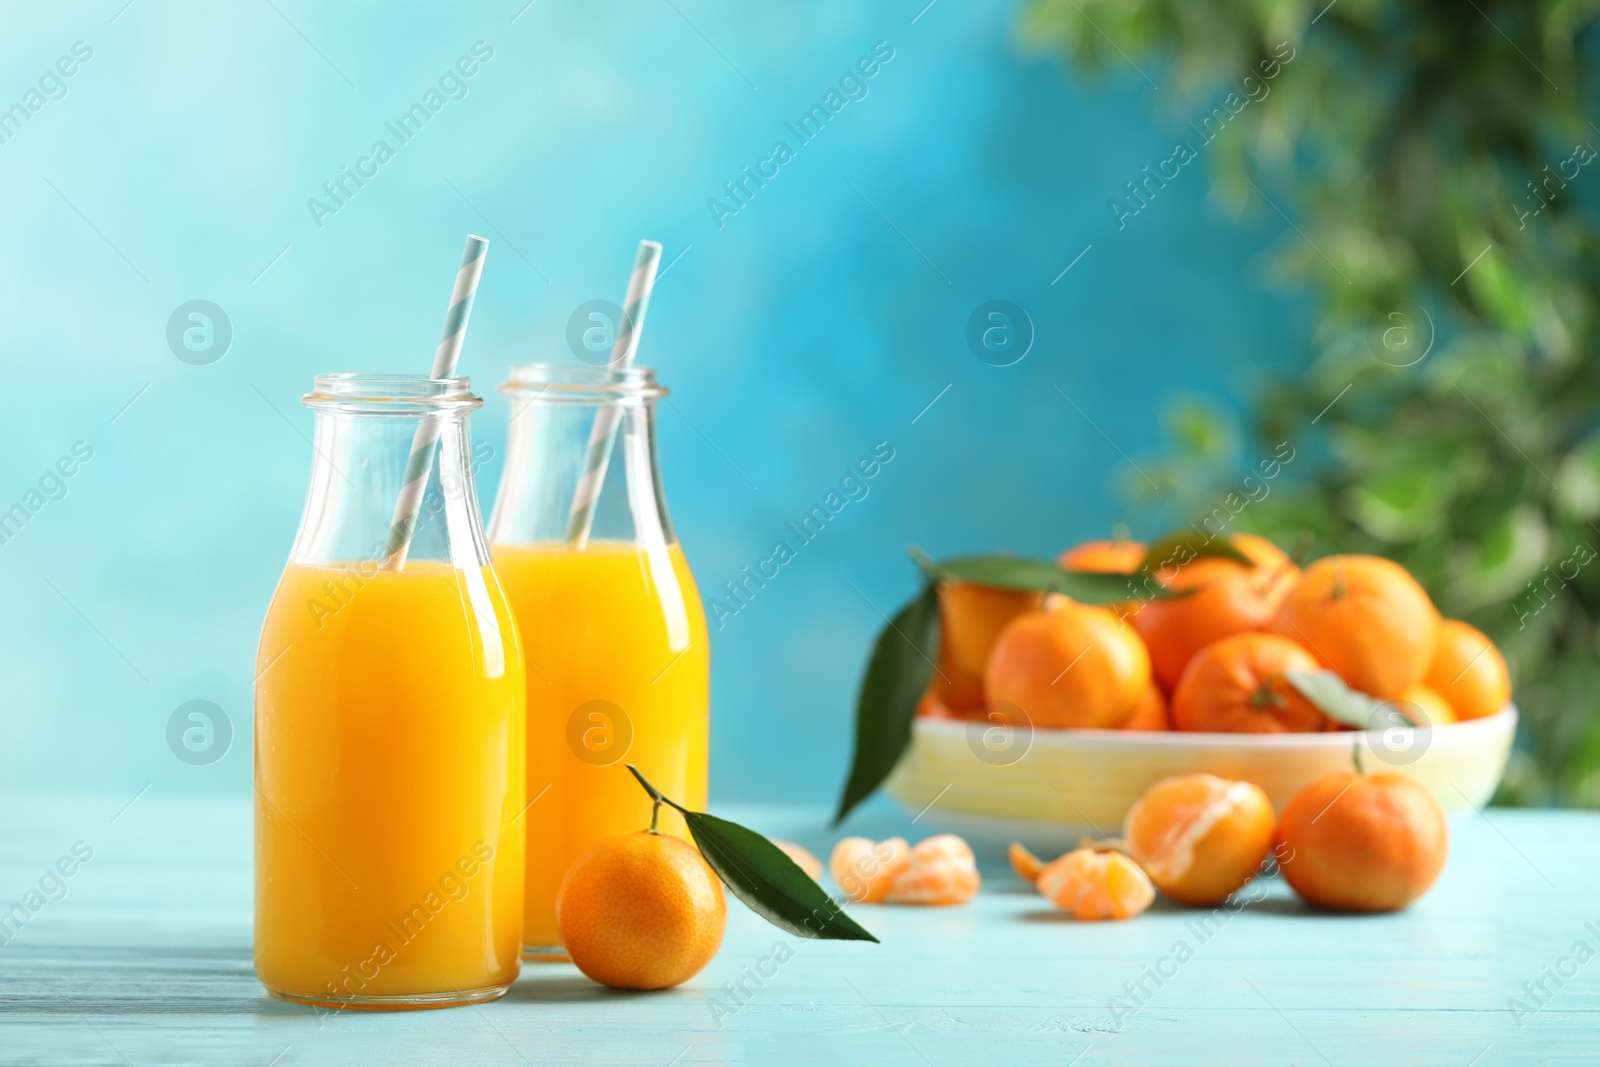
(822,318)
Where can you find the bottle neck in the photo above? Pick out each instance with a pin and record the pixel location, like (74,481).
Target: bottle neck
(557,445)
(358,470)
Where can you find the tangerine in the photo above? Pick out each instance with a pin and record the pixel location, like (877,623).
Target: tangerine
(1240,685)
(641,911)
(1225,598)
(1424,707)
(939,870)
(1199,837)
(1096,885)
(1107,557)
(802,858)
(1367,619)
(931,706)
(1150,713)
(971,616)
(1468,671)
(1075,665)
(1103,557)
(865,869)
(1360,842)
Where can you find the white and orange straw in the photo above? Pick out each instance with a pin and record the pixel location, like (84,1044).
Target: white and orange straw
(604,432)
(425,442)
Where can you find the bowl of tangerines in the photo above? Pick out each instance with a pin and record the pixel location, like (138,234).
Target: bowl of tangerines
(1037,701)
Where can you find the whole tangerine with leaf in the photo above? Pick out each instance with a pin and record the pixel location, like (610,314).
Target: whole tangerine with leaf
(1367,619)
(1241,684)
(641,911)
(1235,587)
(647,911)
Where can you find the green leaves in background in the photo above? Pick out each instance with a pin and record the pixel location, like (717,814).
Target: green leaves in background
(897,674)
(763,876)
(1446,399)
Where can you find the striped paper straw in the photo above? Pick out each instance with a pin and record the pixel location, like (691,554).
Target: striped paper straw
(604,432)
(425,443)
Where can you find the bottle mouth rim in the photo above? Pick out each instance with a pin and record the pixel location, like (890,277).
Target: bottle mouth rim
(582,382)
(390,393)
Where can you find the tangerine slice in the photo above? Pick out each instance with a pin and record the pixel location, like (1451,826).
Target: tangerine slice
(1097,885)
(865,869)
(1200,837)
(940,870)
(1025,863)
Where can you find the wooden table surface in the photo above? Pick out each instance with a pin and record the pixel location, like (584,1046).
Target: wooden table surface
(146,960)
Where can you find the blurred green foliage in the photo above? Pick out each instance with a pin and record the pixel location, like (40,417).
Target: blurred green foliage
(1435,159)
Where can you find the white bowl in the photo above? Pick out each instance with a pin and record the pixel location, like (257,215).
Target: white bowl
(1059,785)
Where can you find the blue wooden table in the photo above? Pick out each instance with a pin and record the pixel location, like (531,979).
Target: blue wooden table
(142,956)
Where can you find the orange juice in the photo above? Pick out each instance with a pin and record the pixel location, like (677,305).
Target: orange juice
(618,672)
(389,785)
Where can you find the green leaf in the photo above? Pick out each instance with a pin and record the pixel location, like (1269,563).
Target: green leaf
(1184,546)
(1040,576)
(760,874)
(897,674)
(1579,479)
(1339,702)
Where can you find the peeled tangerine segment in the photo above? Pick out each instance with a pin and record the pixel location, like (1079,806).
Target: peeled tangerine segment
(1097,885)
(940,870)
(1025,863)
(865,869)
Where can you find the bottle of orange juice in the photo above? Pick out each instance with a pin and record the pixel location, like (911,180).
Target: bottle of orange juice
(614,634)
(389,724)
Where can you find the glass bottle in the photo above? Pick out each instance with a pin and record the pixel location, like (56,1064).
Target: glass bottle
(612,625)
(389,723)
